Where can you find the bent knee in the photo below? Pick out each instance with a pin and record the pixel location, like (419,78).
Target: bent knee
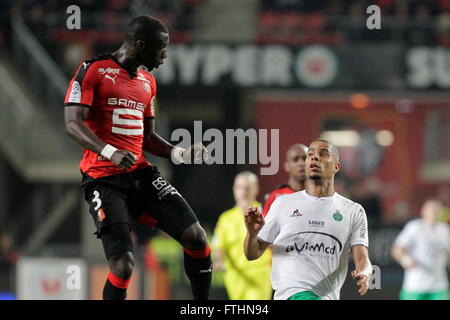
(122,265)
(194,237)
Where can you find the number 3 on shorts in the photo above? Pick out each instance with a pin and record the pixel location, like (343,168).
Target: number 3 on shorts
(97,200)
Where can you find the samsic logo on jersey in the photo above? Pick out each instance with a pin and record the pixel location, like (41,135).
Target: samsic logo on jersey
(316,248)
(127,103)
(109,70)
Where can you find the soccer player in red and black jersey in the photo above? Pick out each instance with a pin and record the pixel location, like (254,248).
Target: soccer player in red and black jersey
(295,167)
(109,110)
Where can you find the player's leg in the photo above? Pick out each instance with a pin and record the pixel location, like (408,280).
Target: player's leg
(118,248)
(197,260)
(107,206)
(166,209)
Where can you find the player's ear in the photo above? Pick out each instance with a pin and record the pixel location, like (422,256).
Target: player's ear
(140,44)
(337,167)
(286,167)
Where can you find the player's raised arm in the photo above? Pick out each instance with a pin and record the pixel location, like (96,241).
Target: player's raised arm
(254,247)
(363,268)
(74,117)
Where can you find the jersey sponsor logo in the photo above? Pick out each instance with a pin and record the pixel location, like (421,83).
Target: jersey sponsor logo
(320,233)
(338,216)
(164,188)
(109,70)
(316,223)
(113,79)
(362,230)
(75,92)
(85,64)
(127,103)
(296,213)
(317,248)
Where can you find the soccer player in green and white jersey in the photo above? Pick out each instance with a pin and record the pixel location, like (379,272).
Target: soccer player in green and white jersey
(423,249)
(312,233)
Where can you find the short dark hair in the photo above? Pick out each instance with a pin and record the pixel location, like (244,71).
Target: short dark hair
(144,27)
(334,148)
(296,146)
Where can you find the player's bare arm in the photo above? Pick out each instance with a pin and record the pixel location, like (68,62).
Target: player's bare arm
(77,130)
(160,147)
(253,246)
(363,268)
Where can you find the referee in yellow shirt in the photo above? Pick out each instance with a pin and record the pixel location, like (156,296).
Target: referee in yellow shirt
(244,280)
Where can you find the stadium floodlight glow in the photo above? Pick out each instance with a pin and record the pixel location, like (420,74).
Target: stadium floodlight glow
(342,138)
(384,138)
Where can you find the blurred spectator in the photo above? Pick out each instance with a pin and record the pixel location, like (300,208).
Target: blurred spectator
(8,260)
(443,195)
(244,280)
(423,250)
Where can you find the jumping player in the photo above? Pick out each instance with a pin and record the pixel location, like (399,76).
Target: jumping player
(312,233)
(109,111)
(295,167)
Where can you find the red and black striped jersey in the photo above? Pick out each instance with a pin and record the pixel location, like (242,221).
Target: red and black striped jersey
(118,100)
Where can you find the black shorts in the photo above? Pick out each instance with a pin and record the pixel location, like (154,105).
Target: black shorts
(142,194)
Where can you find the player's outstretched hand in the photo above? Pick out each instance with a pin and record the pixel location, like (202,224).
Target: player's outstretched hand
(362,280)
(123,159)
(254,220)
(196,153)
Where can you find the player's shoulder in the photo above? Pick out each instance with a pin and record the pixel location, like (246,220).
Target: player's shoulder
(289,197)
(349,204)
(105,59)
(443,226)
(225,216)
(413,224)
(144,72)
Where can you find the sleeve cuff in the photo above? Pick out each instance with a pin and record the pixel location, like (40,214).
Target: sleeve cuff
(73,104)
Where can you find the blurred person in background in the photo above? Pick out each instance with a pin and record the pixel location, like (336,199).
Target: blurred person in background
(244,280)
(109,111)
(8,260)
(295,167)
(423,248)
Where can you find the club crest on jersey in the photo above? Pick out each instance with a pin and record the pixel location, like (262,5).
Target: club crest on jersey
(75,92)
(101,215)
(338,216)
(296,213)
